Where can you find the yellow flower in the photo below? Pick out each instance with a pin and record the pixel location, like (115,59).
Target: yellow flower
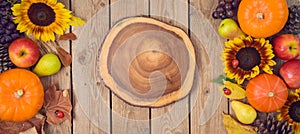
(43,18)
(290,112)
(252,55)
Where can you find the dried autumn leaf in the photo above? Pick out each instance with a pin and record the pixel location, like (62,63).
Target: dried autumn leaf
(234,127)
(30,131)
(68,36)
(64,56)
(57,100)
(36,122)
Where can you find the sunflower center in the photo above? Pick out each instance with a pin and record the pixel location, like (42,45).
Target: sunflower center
(41,14)
(248,58)
(294,111)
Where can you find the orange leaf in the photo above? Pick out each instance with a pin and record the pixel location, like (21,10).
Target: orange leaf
(68,36)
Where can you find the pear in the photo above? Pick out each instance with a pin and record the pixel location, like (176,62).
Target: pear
(229,29)
(48,64)
(245,113)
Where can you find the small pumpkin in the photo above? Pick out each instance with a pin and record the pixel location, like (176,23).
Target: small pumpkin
(266,92)
(262,18)
(21,95)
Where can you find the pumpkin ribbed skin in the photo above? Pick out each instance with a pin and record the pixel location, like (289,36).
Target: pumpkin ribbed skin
(262,18)
(266,92)
(21,95)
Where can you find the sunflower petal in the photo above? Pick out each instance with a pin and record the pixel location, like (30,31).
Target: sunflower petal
(76,21)
(52,1)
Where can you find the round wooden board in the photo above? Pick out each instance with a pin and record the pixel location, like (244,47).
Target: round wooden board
(147,62)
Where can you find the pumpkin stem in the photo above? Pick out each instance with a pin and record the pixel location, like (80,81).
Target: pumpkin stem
(270,94)
(19,93)
(260,16)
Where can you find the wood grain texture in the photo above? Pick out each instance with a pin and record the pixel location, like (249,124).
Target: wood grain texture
(147,62)
(172,118)
(62,80)
(210,104)
(91,112)
(127,118)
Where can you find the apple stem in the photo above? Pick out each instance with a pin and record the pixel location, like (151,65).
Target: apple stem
(19,93)
(260,16)
(270,94)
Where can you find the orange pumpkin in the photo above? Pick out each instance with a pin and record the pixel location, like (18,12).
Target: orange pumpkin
(262,18)
(266,92)
(21,95)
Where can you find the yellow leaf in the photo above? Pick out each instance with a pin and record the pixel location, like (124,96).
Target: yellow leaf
(234,127)
(237,92)
(75,21)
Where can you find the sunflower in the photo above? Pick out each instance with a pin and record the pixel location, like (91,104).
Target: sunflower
(244,57)
(290,112)
(43,18)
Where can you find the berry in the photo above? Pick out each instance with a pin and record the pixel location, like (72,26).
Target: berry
(235,63)
(215,15)
(8,27)
(220,9)
(235,3)
(226,9)
(228,6)
(59,114)
(227,91)
(222,3)
(229,13)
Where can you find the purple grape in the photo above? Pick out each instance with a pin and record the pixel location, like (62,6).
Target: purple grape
(11,26)
(15,35)
(220,9)
(221,3)
(229,13)
(8,32)
(215,15)
(223,16)
(228,1)
(7,9)
(2,13)
(2,40)
(8,39)
(235,3)
(4,21)
(3,3)
(228,6)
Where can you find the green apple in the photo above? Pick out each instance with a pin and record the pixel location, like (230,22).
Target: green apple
(48,64)
(229,29)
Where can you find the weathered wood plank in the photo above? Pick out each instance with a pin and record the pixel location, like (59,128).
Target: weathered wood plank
(172,118)
(206,113)
(91,112)
(127,118)
(62,80)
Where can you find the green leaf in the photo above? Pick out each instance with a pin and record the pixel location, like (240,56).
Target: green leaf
(219,79)
(231,80)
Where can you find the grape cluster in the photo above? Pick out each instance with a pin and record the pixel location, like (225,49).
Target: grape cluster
(226,9)
(8,31)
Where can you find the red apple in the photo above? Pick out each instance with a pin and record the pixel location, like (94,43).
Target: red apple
(290,72)
(24,52)
(286,46)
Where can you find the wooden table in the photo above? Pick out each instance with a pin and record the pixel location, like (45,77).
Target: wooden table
(97,110)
